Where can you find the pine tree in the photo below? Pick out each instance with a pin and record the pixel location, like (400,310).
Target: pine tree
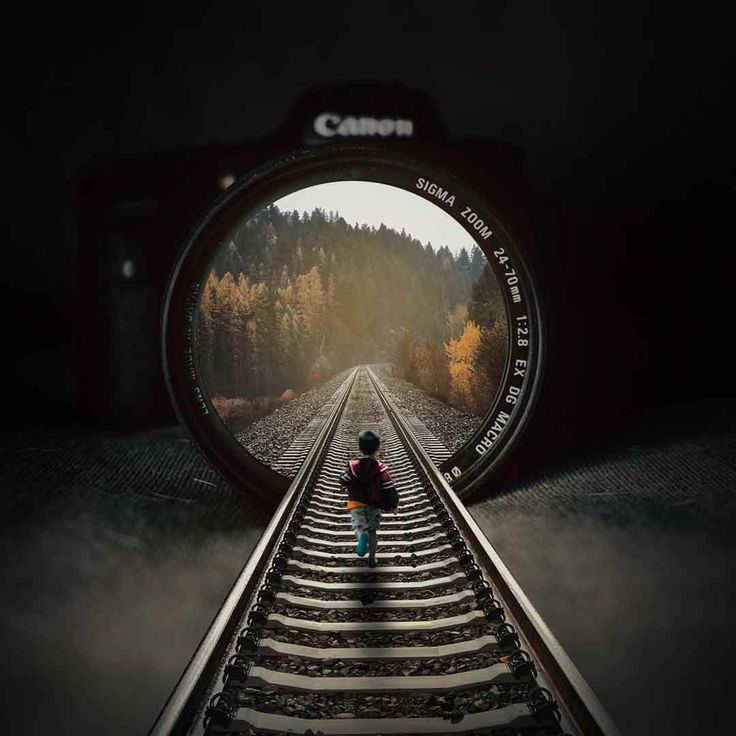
(486,303)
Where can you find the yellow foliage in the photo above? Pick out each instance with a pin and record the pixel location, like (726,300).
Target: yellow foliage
(462,355)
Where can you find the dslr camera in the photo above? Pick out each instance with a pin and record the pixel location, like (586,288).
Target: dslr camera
(170,232)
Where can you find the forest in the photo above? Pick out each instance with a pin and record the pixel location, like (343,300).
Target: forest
(293,298)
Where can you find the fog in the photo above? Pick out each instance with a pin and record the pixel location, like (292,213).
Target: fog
(645,612)
(97,623)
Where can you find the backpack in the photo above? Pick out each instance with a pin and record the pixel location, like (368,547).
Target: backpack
(388,499)
(371,488)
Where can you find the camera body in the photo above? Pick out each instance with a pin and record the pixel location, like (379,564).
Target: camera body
(137,212)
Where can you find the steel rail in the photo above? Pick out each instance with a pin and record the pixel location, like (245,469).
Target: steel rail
(188,696)
(183,713)
(575,696)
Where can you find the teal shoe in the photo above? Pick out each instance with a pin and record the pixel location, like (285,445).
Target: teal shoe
(362,547)
(372,562)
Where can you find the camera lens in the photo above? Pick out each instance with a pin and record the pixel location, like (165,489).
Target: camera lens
(341,258)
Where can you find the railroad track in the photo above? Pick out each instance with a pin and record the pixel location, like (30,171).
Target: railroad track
(437,639)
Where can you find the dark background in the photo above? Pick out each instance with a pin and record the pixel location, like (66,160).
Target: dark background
(621,111)
(116,558)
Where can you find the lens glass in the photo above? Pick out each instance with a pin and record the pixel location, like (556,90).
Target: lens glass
(341,274)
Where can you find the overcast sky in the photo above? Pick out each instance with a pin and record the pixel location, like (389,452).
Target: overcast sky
(369,203)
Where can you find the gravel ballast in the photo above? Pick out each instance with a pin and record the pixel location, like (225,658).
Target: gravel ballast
(398,705)
(381,667)
(394,577)
(451,426)
(269,437)
(376,594)
(382,639)
(338,615)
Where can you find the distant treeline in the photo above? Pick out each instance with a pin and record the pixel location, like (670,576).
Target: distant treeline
(293,298)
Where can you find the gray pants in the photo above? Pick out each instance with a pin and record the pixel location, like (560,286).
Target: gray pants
(366,519)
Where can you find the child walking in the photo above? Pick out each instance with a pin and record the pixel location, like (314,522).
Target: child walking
(367,481)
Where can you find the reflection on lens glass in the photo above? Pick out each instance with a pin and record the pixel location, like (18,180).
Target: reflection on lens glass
(343,274)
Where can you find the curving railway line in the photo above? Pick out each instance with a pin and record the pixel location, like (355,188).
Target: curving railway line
(438,639)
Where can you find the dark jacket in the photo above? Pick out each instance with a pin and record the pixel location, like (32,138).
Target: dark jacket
(365,479)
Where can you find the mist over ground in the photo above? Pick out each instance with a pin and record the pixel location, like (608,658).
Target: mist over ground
(644,614)
(629,555)
(106,589)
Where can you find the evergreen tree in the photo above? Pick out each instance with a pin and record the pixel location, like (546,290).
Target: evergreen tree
(293,297)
